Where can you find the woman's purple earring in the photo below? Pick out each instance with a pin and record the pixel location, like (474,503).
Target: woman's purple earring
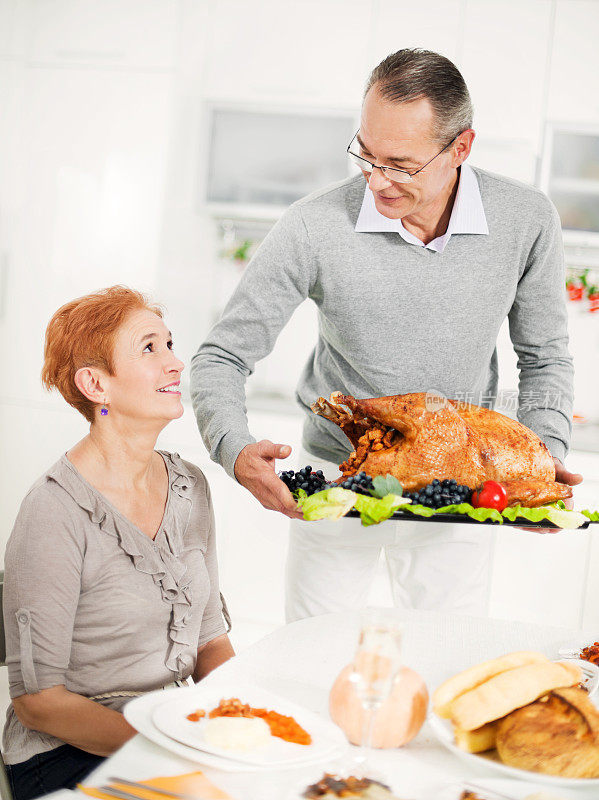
(104,410)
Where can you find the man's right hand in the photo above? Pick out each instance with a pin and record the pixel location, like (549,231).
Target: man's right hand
(255,469)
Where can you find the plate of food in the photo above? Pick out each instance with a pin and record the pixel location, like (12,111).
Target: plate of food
(248,724)
(333,784)
(524,716)
(503,789)
(422,457)
(584,648)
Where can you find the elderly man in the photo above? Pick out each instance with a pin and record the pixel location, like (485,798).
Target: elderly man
(413,266)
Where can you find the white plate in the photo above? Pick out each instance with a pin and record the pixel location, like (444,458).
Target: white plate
(572,648)
(517,789)
(590,672)
(297,793)
(442,729)
(171,719)
(138,713)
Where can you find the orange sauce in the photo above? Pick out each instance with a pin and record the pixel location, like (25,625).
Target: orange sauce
(284,727)
(280,726)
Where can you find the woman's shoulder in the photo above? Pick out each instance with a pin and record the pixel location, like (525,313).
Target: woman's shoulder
(49,490)
(49,509)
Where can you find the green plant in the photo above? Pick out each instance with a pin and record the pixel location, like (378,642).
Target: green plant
(241,253)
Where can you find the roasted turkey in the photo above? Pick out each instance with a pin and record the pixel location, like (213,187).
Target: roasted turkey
(419,437)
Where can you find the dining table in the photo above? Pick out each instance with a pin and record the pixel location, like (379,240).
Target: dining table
(300,662)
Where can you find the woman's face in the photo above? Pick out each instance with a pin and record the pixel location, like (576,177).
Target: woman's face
(145,383)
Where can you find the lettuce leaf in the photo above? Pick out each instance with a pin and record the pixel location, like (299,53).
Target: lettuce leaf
(479,514)
(552,512)
(329,504)
(374,509)
(336,502)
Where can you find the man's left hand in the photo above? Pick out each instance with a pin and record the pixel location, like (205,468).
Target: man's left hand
(562,475)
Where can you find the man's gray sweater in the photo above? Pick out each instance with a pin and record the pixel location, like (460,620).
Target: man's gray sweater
(395,317)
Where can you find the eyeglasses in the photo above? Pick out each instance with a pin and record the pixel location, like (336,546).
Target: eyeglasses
(391,173)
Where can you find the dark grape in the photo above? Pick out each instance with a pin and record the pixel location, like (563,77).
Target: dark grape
(361,483)
(310,482)
(438,494)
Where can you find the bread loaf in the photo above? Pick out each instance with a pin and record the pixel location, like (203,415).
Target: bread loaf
(479,673)
(509,690)
(557,735)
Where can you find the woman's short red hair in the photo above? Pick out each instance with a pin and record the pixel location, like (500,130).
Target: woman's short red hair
(82,334)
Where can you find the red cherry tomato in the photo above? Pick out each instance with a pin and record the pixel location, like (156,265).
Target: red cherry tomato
(491,495)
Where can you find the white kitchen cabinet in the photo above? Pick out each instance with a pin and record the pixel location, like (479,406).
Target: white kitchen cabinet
(573,84)
(513,159)
(93,148)
(11,75)
(431,24)
(584,346)
(111,33)
(33,435)
(12,40)
(296,52)
(504,58)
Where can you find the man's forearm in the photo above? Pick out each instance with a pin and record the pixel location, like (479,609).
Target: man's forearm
(218,397)
(546,401)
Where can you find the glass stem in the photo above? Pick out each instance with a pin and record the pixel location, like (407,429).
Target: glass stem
(368,728)
(366,737)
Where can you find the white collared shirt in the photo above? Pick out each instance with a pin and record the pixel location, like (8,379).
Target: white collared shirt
(467,215)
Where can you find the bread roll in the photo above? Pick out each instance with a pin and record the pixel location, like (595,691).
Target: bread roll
(557,735)
(470,678)
(509,690)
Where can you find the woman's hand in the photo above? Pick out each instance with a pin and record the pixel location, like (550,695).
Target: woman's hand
(255,469)
(74,719)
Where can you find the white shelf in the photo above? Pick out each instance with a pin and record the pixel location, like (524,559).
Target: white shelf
(245,211)
(576,185)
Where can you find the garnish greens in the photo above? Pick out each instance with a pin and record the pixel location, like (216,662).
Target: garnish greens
(336,502)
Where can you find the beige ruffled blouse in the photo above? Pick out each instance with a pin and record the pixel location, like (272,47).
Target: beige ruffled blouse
(91,602)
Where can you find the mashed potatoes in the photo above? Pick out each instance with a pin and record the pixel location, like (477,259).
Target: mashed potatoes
(237,733)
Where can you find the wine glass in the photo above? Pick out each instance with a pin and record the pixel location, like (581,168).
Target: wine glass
(376,665)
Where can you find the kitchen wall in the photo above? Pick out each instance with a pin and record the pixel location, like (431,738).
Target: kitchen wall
(103,142)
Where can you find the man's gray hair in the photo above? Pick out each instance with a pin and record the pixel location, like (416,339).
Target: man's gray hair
(412,73)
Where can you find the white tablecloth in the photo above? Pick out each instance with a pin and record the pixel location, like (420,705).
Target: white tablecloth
(300,661)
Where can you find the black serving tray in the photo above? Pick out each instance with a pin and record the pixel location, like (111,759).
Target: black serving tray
(464,519)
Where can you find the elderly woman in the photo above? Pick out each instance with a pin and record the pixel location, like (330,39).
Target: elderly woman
(111,584)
